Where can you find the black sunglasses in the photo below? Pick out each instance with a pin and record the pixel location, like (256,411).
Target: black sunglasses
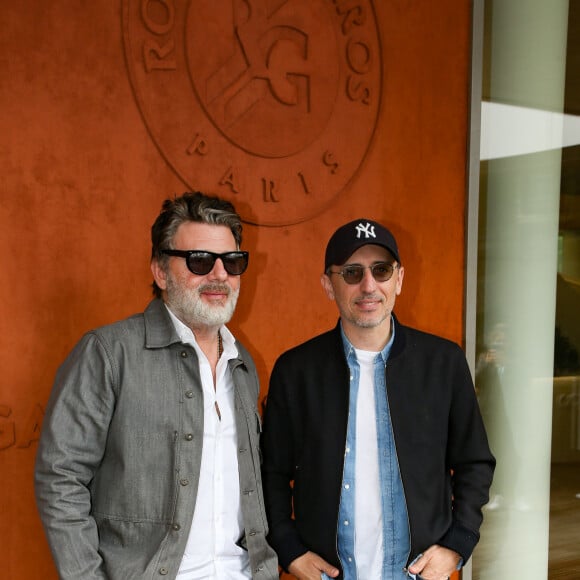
(353,273)
(201,262)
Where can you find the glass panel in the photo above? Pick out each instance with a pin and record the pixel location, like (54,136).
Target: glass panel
(527,369)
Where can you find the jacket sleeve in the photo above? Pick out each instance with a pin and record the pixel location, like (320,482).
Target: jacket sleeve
(72,443)
(470,460)
(278,470)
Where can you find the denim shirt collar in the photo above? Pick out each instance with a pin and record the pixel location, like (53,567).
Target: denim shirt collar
(349,349)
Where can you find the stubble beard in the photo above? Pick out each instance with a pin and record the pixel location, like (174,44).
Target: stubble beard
(366,323)
(363,322)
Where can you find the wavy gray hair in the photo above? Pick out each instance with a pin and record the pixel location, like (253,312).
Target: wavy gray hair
(190,207)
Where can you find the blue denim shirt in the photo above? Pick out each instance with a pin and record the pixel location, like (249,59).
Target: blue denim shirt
(396,542)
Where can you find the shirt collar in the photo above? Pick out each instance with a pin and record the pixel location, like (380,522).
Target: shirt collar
(349,349)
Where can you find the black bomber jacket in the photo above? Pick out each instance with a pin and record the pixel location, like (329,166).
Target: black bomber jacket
(445,462)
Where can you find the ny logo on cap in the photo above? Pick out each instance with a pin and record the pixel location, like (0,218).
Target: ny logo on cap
(368,230)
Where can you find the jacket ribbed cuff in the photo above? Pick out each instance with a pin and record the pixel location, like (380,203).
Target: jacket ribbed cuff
(461,540)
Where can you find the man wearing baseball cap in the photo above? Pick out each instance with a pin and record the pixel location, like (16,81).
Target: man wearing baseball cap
(376,462)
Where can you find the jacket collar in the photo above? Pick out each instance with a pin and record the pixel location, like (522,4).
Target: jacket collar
(159,329)
(400,338)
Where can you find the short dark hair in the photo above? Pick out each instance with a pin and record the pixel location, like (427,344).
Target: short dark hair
(192,206)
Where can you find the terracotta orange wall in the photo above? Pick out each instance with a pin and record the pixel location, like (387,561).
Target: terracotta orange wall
(81,182)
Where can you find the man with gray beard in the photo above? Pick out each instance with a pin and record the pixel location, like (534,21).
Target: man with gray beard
(148,464)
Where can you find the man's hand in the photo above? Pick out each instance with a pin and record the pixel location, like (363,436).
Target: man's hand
(436,563)
(310,566)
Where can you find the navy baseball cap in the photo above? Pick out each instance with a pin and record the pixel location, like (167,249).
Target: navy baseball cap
(352,236)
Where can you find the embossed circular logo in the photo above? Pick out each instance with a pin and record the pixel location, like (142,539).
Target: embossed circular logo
(271,104)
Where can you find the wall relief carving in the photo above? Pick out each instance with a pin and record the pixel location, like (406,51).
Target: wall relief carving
(269,103)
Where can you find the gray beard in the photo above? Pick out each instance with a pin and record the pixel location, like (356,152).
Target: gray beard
(360,322)
(189,307)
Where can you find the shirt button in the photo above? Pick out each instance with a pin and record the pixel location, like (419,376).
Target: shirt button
(189,437)
(163,571)
(346,522)
(189,394)
(184,482)
(176,527)
(347,486)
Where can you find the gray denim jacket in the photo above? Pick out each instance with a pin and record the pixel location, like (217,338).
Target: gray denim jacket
(119,456)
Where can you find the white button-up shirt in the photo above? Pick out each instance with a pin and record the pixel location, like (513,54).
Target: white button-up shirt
(212,552)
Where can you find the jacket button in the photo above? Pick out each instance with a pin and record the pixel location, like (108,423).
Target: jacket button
(163,571)
(184,482)
(176,527)
(183,354)
(189,437)
(189,394)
